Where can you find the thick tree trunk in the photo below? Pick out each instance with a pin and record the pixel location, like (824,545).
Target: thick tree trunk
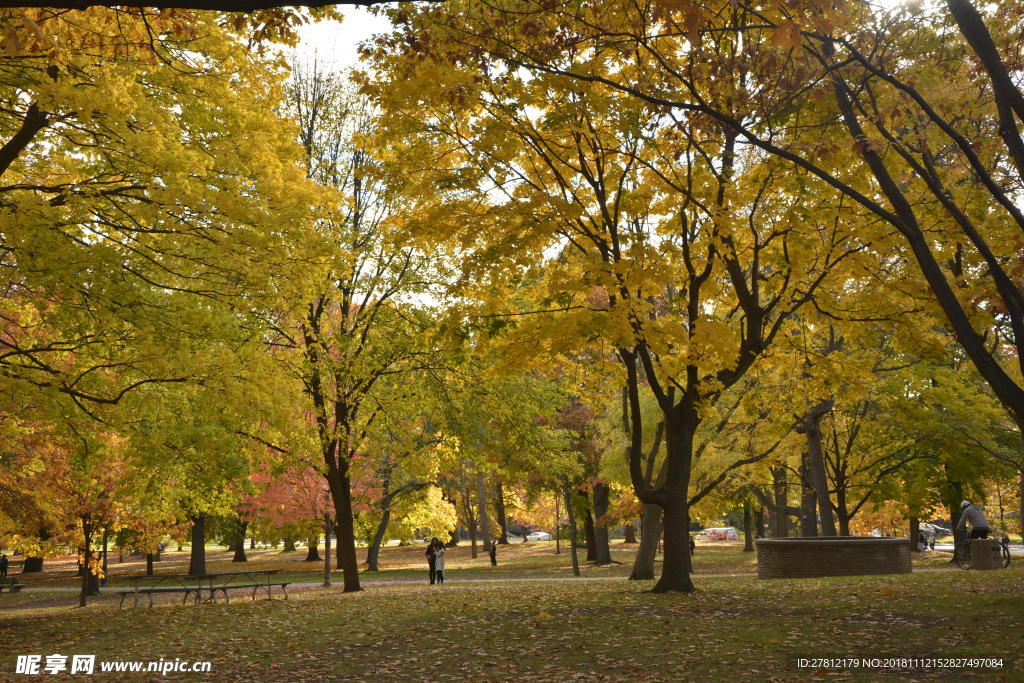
(588,525)
(567,496)
(313,552)
(149,564)
(808,501)
(481,501)
(90,581)
(240,545)
(650,536)
(811,427)
(1020,499)
(759,518)
(630,530)
(675,573)
(453,538)
(602,551)
(197,562)
(748,527)
(842,514)
(680,426)
(914,533)
(289,545)
(472,542)
(344,529)
(373,552)
(252,543)
(777,514)
(499,509)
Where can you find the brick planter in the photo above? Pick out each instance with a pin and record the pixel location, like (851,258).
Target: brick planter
(791,558)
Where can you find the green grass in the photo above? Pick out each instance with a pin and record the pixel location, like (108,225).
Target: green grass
(735,627)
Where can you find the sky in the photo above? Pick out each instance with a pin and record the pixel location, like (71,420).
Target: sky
(336,42)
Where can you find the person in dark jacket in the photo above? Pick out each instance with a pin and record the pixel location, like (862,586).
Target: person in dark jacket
(3,566)
(431,554)
(974,515)
(493,552)
(693,546)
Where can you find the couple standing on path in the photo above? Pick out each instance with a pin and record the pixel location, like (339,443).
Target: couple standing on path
(435,558)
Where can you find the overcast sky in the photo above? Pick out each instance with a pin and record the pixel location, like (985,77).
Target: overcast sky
(336,42)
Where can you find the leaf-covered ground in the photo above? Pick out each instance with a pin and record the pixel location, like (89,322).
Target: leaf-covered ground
(554,627)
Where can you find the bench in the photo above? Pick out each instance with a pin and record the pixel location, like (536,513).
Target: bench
(188,585)
(254,586)
(11,585)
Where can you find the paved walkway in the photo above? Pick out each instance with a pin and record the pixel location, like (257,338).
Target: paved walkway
(456,580)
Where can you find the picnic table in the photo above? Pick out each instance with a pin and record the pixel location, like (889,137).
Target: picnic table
(196,584)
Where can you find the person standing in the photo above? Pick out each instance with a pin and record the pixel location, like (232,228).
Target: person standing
(439,562)
(493,552)
(431,554)
(3,566)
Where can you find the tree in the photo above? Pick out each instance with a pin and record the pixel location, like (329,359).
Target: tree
(680,252)
(932,116)
(348,321)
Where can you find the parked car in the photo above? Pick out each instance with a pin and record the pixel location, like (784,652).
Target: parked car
(935,529)
(538,536)
(727,533)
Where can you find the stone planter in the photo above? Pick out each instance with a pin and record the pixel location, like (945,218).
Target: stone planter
(791,558)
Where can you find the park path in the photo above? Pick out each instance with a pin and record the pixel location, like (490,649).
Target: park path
(422,582)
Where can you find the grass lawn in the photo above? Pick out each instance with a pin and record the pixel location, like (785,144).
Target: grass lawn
(735,627)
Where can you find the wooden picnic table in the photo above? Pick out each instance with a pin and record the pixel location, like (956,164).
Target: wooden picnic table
(196,584)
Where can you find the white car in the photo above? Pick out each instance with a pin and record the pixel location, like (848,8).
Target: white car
(538,536)
(938,531)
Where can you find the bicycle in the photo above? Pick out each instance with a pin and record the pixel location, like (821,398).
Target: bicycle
(962,552)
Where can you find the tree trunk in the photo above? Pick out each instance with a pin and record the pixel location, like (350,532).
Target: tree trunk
(1020,500)
(811,427)
(313,552)
(341,496)
(675,572)
(240,545)
(327,550)
(472,541)
(777,514)
(373,552)
(149,564)
(572,530)
(106,539)
(499,509)
(630,533)
(90,581)
(748,527)
(602,551)
(197,563)
(650,536)
(481,500)
(914,534)
(808,501)
(759,517)
(842,514)
(252,543)
(453,538)
(588,525)
(289,545)
(558,527)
